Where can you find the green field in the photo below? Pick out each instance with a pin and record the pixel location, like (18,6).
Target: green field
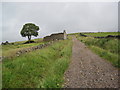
(107,48)
(102,34)
(42,68)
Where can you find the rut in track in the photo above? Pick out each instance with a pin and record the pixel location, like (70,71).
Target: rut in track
(88,70)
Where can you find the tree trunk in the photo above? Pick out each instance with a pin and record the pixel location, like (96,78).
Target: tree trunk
(29,38)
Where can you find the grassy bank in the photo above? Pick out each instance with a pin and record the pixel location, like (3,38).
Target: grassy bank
(107,48)
(39,69)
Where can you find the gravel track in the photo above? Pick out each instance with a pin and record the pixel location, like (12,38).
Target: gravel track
(88,70)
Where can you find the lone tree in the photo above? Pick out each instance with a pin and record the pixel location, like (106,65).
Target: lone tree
(29,30)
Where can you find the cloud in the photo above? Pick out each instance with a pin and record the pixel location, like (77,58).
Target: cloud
(53,17)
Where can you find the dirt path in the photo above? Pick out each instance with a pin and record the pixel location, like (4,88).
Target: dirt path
(87,70)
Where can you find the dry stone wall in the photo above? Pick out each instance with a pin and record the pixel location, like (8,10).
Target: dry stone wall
(108,36)
(32,48)
(23,51)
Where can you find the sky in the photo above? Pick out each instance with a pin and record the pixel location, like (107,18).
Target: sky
(54,17)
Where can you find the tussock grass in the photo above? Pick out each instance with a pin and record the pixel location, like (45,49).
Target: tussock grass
(39,69)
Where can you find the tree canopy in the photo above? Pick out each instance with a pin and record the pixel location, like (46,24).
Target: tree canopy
(29,30)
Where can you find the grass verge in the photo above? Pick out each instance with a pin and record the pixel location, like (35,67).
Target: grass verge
(113,58)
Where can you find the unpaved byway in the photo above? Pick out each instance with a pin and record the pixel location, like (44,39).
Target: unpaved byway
(87,70)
